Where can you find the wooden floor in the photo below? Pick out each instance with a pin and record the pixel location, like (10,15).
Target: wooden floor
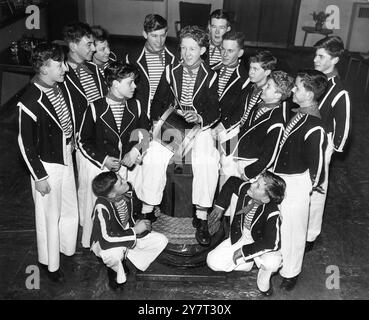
(343,244)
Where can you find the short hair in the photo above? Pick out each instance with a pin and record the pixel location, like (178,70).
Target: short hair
(284,83)
(196,33)
(220,14)
(265,58)
(99,33)
(314,81)
(104,183)
(275,186)
(74,32)
(154,22)
(333,45)
(236,36)
(118,70)
(45,51)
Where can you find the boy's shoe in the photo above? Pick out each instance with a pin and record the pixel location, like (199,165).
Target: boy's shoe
(288,284)
(55,276)
(202,233)
(112,277)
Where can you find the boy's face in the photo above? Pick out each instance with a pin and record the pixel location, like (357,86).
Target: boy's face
(257,190)
(217,28)
(156,39)
(125,87)
(270,92)
(85,48)
(190,51)
(102,51)
(257,74)
(54,70)
(323,61)
(231,52)
(120,187)
(300,94)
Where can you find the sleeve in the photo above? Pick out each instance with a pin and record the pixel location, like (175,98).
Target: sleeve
(26,141)
(342,120)
(87,138)
(270,240)
(163,96)
(229,188)
(107,238)
(211,111)
(315,143)
(269,151)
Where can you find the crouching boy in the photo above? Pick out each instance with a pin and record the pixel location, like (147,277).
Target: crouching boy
(116,235)
(254,231)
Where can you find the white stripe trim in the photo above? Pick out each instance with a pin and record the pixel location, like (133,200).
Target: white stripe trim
(26,110)
(347,122)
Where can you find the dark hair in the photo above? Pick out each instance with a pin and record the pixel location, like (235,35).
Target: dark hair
(284,83)
(314,81)
(99,33)
(265,58)
(333,45)
(45,51)
(220,14)
(154,22)
(275,186)
(196,33)
(236,36)
(118,70)
(74,32)
(104,183)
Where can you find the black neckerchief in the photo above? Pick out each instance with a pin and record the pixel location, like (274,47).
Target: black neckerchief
(79,66)
(43,84)
(114,98)
(332,74)
(312,110)
(224,68)
(219,47)
(191,68)
(159,53)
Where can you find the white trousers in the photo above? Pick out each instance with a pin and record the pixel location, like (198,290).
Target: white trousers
(317,200)
(142,255)
(152,175)
(221,259)
(294,214)
(86,198)
(56,214)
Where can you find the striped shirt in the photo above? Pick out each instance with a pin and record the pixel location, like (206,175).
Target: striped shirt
(290,126)
(123,213)
(60,106)
(188,85)
(155,65)
(87,81)
(255,98)
(118,110)
(224,76)
(249,215)
(215,54)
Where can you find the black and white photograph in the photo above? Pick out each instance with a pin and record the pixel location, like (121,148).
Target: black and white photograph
(184,155)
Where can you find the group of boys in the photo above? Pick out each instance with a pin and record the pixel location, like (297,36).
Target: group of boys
(271,165)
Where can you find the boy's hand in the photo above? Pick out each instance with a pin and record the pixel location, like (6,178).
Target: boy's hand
(236,255)
(141,226)
(112,164)
(192,117)
(216,214)
(130,158)
(43,187)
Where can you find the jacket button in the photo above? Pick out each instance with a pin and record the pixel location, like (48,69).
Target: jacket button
(105,142)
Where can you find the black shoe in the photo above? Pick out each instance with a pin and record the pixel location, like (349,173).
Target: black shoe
(288,283)
(202,233)
(309,246)
(55,276)
(195,222)
(147,216)
(112,276)
(267,293)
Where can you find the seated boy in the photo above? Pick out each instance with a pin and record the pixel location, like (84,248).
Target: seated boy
(258,140)
(116,235)
(109,134)
(192,87)
(254,231)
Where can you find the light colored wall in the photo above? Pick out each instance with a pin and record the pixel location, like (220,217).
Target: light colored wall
(125,17)
(305,19)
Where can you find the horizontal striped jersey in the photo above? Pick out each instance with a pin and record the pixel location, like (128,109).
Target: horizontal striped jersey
(188,85)
(89,87)
(155,65)
(224,75)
